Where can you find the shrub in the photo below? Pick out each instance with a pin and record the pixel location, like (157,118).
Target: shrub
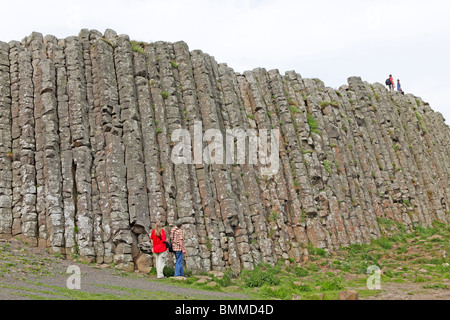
(389,273)
(317,251)
(260,277)
(168,271)
(227,279)
(282,293)
(402,249)
(165,95)
(384,243)
(301,272)
(334,284)
(304,288)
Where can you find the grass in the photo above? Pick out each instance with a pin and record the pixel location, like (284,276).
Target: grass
(260,276)
(420,120)
(301,272)
(384,243)
(137,46)
(438,286)
(327,166)
(294,109)
(325,104)
(312,123)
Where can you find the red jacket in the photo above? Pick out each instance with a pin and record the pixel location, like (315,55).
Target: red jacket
(392,80)
(158,242)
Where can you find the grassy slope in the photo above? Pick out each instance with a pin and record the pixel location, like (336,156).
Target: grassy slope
(415,258)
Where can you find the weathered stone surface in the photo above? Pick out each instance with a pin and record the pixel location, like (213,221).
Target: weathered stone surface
(348,295)
(6,154)
(144,263)
(86,126)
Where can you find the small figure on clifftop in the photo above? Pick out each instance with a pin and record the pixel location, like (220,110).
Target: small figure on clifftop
(390,83)
(158,237)
(399,87)
(177,238)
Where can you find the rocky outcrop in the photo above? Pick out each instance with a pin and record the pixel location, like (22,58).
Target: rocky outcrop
(86,127)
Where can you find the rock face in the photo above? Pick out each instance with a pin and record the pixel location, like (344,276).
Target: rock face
(86,127)
(348,295)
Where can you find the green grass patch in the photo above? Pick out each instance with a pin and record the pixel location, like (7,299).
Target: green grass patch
(439,286)
(294,109)
(312,123)
(327,166)
(137,46)
(260,276)
(301,272)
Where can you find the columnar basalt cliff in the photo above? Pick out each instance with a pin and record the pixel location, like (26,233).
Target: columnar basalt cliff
(86,170)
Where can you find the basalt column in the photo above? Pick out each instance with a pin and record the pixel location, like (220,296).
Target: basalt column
(6,154)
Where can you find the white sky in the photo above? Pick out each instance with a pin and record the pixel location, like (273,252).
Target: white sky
(325,39)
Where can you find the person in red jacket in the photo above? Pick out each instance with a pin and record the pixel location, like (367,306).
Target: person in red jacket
(158,237)
(392,82)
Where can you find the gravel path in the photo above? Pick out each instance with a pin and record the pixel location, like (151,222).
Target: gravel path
(410,291)
(32,273)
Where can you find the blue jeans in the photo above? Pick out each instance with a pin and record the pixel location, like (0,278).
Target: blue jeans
(179,272)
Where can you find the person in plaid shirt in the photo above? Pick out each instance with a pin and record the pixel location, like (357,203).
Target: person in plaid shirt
(177,238)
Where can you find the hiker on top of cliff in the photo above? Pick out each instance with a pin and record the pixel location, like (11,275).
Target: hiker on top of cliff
(177,238)
(399,87)
(158,237)
(390,83)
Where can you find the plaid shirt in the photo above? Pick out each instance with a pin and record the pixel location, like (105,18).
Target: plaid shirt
(175,236)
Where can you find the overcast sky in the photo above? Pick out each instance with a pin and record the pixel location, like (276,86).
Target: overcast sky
(325,39)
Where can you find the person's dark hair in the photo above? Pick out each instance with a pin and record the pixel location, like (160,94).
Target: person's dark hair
(179,223)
